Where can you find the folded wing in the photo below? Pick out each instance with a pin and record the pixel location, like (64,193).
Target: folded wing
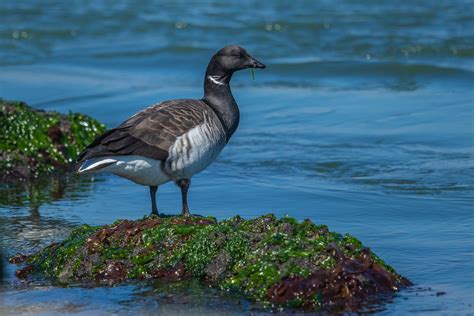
(149,133)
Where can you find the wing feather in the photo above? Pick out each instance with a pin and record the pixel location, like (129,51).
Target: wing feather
(150,132)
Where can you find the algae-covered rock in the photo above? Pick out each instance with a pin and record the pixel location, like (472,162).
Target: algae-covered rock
(275,262)
(35,142)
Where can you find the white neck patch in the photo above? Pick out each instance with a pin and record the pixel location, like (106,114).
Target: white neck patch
(216,80)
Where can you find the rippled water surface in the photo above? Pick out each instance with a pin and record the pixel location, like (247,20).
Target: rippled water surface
(363,120)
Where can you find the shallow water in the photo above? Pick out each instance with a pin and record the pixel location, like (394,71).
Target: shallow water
(362,120)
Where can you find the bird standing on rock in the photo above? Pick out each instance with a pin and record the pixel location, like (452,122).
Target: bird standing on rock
(173,140)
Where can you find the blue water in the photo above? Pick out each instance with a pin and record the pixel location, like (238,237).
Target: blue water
(363,120)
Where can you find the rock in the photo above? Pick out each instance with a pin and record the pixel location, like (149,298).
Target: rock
(35,142)
(18,258)
(24,272)
(275,262)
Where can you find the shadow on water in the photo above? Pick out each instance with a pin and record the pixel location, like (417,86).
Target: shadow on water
(24,227)
(187,297)
(33,194)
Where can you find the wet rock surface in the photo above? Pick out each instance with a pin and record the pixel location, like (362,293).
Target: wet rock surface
(35,142)
(275,262)
(18,258)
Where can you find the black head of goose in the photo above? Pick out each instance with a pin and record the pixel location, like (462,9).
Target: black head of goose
(173,140)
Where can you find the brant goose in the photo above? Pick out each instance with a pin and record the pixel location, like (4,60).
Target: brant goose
(173,140)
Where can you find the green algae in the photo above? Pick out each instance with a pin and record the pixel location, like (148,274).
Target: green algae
(51,260)
(254,257)
(35,142)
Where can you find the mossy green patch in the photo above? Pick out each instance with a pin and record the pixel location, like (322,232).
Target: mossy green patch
(53,258)
(277,262)
(35,142)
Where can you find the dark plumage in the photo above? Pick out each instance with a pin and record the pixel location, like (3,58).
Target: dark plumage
(173,140)
(151,132)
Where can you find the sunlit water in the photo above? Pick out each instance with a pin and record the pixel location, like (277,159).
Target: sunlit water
(363,120)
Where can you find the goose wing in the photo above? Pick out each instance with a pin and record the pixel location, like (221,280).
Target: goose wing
(151,132)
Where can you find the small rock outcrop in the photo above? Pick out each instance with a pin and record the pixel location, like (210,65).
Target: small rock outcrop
(35,142)
(279,263)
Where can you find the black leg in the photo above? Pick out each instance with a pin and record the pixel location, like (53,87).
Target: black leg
(184,186)
(154,210)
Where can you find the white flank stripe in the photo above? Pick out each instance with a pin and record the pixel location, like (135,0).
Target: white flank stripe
(94,164)
(141,170)
(194,151)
